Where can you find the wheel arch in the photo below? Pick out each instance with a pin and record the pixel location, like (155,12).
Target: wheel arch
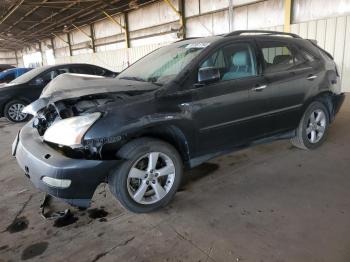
(13,98)
(326,99)
(171,134)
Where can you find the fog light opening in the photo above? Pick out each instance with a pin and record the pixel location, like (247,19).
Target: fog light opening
(54,182)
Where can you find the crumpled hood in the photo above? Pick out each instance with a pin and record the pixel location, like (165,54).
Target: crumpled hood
(68,86)
(74,85)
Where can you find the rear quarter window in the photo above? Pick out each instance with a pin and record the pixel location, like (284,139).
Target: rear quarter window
(280,56)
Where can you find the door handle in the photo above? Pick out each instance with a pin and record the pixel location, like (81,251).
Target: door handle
(311,77)
(259,88)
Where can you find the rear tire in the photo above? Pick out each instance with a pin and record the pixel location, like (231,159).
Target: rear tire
(149,177)
(313,127)
(13,111)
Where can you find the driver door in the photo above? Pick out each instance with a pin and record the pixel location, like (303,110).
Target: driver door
(226,112)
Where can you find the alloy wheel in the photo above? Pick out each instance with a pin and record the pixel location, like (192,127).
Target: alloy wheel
(151,178)
(15,112)
(316,126)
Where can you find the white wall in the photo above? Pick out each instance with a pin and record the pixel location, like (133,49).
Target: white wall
(115,60)
(332,34)
(8,58)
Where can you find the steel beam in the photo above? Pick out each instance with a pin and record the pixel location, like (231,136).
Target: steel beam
(10,11)
(26,15)
(126,30)
(182,18)
(181,15)
(87,35)
(113,19)
(92,34)
(53,47)
(287,15)
(124,27)
(69,45)
(60,38)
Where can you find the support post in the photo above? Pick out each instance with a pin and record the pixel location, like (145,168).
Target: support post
(16,57)
(53,47)
(182,18)
(92,34)
(287,15)
(126,30)
(181,15)
(69,45)
(124,27)
(41,53)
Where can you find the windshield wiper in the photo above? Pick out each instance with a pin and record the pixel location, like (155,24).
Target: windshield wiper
(133,78)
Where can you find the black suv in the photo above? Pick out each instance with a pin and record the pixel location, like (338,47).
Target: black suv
(179,106)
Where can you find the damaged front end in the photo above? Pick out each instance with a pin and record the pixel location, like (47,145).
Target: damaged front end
(51,149)
(62,124)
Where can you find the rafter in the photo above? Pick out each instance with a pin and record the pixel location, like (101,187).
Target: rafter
(11,10)
(25,22)
(26,15)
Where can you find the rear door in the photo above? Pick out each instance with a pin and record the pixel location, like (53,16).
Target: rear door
(225,113)
(289,76)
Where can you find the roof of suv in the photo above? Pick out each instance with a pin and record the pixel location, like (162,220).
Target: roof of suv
(242,34)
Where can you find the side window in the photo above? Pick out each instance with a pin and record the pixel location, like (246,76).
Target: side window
(215,60)
(80,70)
(47,77)
(76,70)
(62,70)
(279,56)
(234,61)
(98,71)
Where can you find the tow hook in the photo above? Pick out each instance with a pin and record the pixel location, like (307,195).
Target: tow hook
(55,215)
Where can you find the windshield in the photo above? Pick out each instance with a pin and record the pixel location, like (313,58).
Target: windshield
(162,65)
(29,75)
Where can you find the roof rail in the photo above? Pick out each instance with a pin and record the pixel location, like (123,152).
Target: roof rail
(267,32)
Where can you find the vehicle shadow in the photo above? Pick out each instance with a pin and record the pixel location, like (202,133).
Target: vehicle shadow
(199,172)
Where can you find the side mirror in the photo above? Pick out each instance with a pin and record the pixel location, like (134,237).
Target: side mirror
(208,75)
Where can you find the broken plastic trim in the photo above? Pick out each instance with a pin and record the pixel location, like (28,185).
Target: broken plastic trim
(54,215)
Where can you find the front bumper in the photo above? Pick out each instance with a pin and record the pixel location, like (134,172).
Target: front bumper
(39,160)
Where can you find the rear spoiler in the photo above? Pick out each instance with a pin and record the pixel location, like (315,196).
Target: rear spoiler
(314,42)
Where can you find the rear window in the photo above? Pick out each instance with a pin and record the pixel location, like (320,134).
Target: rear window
(280,56)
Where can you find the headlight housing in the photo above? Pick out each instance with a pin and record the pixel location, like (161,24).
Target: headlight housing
(70,131)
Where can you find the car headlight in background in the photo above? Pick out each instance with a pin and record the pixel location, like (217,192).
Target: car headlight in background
(70,131)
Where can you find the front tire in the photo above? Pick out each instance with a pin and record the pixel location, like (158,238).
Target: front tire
(149,177)
(313,127)
(13,111)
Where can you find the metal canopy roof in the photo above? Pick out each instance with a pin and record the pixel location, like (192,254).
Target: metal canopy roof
(25,22)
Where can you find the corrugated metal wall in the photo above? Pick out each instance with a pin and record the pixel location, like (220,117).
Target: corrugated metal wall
(8,58)
(156,24)
(115,60)
(333,35)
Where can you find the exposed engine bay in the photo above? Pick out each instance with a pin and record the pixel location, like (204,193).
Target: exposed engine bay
(75,107)
(69,108)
